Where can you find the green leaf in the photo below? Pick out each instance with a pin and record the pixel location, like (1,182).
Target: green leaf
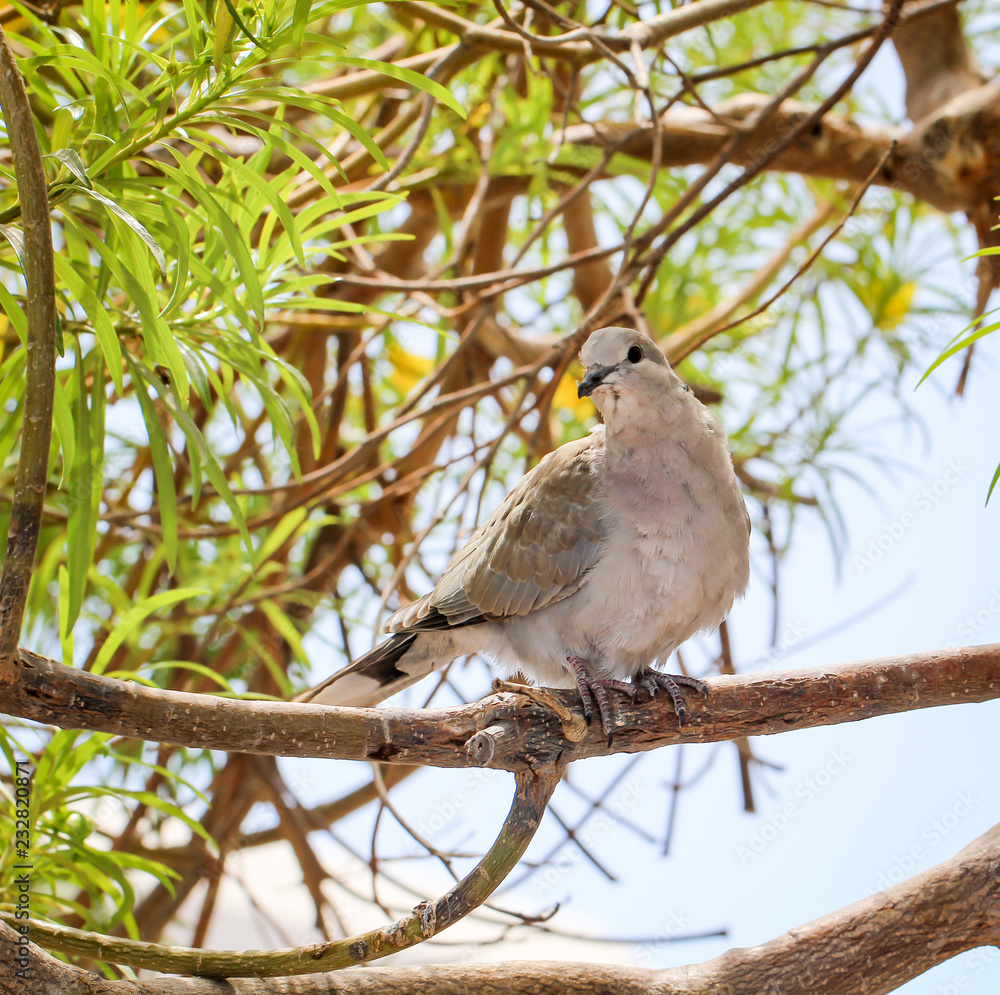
(67,57)
(189,179)
(285,627)
(62,421)
(107,336)
(171,665)
(404,75)
(962,341)
(287,527)
(72,161)
(266,190)
(235,15)
(81,525)
(136,615)
(14,313)
(160,339)
(993,483)
(300,21)
(206,458)
(16,238)
(163,470)
(134,224)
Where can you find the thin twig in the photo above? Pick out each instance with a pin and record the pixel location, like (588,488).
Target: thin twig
(655,257)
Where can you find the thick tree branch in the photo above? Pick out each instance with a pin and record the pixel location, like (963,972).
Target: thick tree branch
(951,160)
(887,939)
(40,376)
(936,60)
(529,730)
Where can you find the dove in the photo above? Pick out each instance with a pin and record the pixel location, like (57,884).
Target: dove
(604,558)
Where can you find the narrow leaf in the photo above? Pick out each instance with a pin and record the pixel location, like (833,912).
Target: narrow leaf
(137,614)
(72,161)
(163,470)
(135,225)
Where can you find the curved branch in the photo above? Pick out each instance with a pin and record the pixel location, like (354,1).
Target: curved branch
(887,939)
(40,375)
(531,795)
(542,727)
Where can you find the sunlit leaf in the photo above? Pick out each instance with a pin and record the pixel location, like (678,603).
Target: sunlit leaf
(135,225)
(136,615)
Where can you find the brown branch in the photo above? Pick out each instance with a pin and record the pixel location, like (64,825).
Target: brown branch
(936,60)
(40,374)
(592,279)
(531,795)
(646,33)
(526,731)
(948,161)
(886,939)
(484,282)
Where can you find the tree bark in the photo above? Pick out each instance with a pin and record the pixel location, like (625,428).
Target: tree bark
(529,729)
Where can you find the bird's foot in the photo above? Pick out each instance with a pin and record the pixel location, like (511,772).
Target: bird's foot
(591,687)
(655,681)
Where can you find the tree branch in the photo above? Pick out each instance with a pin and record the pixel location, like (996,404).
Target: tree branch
(936,60)
(950,160)
(40,376)
(646,34)
(530,730)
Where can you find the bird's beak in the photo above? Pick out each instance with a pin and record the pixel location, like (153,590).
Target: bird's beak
(593,379)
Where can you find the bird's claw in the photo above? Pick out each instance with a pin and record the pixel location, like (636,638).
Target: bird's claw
(594,691)
(655,681)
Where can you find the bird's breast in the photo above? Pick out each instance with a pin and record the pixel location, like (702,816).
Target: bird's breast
(675,559)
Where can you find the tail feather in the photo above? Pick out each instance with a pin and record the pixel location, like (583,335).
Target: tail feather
(393,665)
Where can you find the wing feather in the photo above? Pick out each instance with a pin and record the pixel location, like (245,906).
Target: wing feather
(535,550)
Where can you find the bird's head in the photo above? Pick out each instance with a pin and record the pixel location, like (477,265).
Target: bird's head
(626,370)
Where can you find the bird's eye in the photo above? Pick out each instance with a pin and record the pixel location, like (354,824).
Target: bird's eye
(634,354)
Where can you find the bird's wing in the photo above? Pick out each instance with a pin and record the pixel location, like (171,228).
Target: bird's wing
(535,550)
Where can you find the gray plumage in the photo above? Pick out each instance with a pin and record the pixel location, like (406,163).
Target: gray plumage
(605,557)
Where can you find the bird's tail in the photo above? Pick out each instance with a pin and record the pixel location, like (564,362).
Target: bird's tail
(402,660)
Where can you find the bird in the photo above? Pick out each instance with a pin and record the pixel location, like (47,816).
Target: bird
(607,555)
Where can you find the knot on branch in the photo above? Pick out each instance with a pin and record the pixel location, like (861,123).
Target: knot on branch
(482,747)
